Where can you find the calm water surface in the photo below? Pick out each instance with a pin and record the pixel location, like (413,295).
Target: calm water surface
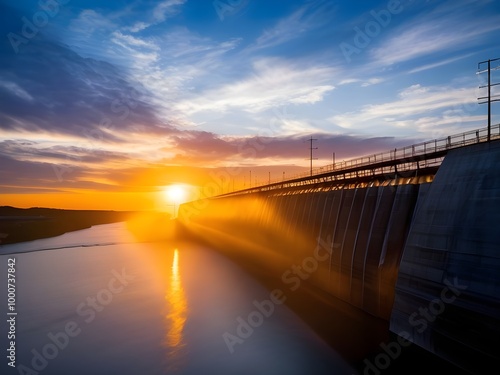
(98,302)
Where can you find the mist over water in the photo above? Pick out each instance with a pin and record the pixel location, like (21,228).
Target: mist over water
(102,303)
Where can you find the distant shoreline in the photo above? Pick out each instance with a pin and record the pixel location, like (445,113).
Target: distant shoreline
(28,224)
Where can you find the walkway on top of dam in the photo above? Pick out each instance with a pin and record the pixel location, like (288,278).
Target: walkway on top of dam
(418,163)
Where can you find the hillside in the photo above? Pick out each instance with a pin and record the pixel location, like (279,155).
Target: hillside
(19,224)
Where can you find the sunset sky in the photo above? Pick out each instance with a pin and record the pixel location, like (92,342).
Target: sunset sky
(103,104)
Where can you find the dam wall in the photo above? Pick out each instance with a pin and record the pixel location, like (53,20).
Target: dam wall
(363,230)
(447,296)
(425,257)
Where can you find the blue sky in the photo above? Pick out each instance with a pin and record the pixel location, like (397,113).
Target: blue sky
(112,89)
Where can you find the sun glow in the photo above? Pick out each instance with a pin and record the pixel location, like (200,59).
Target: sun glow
(175,193)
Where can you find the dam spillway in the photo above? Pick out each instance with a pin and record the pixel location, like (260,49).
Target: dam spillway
(363,229)
(421,252)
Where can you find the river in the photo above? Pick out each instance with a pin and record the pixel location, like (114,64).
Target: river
(97,301)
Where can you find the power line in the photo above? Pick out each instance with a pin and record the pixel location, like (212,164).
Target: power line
(489,86)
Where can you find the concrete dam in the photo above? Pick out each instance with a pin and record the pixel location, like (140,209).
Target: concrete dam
(412,240)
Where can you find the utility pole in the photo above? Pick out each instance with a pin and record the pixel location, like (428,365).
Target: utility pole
(269,180)
(311,148)
(489,85)
(333,159)
(250,178)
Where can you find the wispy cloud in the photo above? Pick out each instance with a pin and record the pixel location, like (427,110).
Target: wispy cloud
(372,81)
(412,108)
(285,30)
(175,62)
(128,41)
(87,32)
(348,81)
(428,35)
(16,89)
(164,10)
(439,63)
(138,26)
(310,16)
(167,9)
(273,83)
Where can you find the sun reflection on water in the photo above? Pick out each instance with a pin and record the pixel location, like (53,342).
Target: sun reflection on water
(176,317)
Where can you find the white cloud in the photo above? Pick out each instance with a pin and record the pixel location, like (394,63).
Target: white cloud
(273,83)
(427,35)
(161,12)
(139,26)
(89,21)
(167,9)
(372,81)
(413,91)
(287,29)
(293,26)
(439,63)
(128,41)
(284,127)
(169,67)
(348,81)
(416,109)
(16,90)
(89,34)
(182,43)
(362,82)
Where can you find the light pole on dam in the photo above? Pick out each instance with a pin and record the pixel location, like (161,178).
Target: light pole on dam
(311,148)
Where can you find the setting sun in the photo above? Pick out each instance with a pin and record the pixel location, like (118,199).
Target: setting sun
(170,197)
(175,193)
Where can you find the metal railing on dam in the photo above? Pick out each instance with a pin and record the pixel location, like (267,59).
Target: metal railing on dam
(422,256)
(420,159)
